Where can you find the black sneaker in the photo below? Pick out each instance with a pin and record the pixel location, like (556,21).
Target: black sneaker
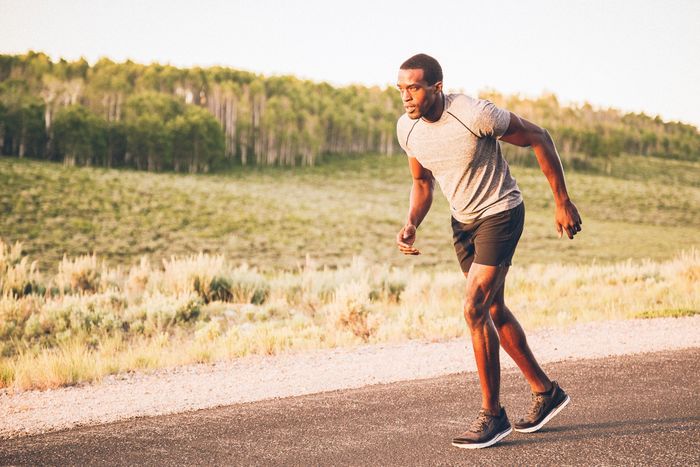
(544,408)
(485,431)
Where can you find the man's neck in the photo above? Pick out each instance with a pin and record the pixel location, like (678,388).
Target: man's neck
(436,110)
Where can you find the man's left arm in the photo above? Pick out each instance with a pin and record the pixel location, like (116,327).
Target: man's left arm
(523,133)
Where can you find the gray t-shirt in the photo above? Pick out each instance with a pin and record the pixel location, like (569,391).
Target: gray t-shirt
(462,151)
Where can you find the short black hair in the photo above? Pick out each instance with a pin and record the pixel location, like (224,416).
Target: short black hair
(432,71)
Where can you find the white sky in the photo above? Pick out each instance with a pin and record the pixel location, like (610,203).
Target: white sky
(636,55)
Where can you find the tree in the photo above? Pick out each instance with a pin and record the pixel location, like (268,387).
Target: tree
(197,140)
(116,144)
(22,126)
(148,141)
(80,137)
(273,120)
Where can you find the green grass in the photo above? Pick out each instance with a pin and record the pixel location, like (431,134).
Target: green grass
(667,313)
(274,218)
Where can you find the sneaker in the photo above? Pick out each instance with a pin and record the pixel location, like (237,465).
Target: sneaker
(485,431)
(544,408)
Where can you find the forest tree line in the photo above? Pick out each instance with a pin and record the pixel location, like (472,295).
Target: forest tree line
(159,117)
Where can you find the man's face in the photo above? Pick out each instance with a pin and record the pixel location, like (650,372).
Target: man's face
(417,96)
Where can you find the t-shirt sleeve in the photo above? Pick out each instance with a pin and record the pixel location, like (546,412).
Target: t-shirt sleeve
(401,134)
(489,119)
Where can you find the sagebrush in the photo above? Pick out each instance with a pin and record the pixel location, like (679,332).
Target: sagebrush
(89,320)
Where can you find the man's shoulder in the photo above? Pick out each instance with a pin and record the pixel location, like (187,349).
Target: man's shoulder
(404,120)
(470,109)
(404,124)
(459,102)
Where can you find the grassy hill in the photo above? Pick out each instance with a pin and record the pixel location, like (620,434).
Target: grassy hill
(274,218)
(78,320)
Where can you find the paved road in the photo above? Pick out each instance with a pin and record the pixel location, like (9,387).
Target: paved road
(640,409)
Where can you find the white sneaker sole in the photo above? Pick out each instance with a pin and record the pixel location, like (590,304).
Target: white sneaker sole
(551,415)
(488,443)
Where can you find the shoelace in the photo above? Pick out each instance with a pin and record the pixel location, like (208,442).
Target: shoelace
(537,403)
(480,423)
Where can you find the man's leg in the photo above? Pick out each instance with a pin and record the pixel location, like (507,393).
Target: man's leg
(513,341)
(492,424)
(483,283)
(548,397)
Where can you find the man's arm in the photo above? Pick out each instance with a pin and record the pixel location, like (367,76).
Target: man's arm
(523,133)
(420,202)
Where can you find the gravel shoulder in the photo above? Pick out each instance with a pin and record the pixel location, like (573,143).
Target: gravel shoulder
(258,378)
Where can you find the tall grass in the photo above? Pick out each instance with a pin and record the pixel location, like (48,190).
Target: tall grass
(89,320)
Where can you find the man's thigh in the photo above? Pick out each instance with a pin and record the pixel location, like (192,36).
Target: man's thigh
(485,283)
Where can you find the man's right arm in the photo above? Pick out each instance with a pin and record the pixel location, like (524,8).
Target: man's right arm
(420,201)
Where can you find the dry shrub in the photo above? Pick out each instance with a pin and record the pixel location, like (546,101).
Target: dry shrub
(352,309)
(68,364)
(138,279)
(7,374)
(191,274)
(18,277)
(241,285)
(214,280)
(355,319)
(160,313)
(82,317)
(14,313)
(200,309)
(691,274)
(209,331)
(9,254)
(388,285)
(78,275)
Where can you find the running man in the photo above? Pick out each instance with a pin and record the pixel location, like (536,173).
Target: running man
(454,139)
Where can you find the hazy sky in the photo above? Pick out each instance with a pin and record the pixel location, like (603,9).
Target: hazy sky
(637,55)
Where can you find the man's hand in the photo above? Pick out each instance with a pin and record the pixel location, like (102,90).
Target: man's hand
(405,239)
(567,219)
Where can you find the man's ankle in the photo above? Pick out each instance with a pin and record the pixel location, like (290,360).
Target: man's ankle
(548,391)
(493,412)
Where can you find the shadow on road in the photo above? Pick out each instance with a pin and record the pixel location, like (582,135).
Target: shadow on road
(606,429)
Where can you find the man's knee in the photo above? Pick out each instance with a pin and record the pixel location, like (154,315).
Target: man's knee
(475,312)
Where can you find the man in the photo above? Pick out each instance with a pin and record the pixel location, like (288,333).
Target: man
(454,139)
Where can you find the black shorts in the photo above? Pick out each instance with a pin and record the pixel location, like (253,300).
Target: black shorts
(490,240)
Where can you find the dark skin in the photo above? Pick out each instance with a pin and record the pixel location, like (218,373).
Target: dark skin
(490,321)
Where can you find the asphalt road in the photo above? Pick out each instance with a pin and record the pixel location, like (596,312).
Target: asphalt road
(639,409)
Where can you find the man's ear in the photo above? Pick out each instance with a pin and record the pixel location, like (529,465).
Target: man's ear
(438,87)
